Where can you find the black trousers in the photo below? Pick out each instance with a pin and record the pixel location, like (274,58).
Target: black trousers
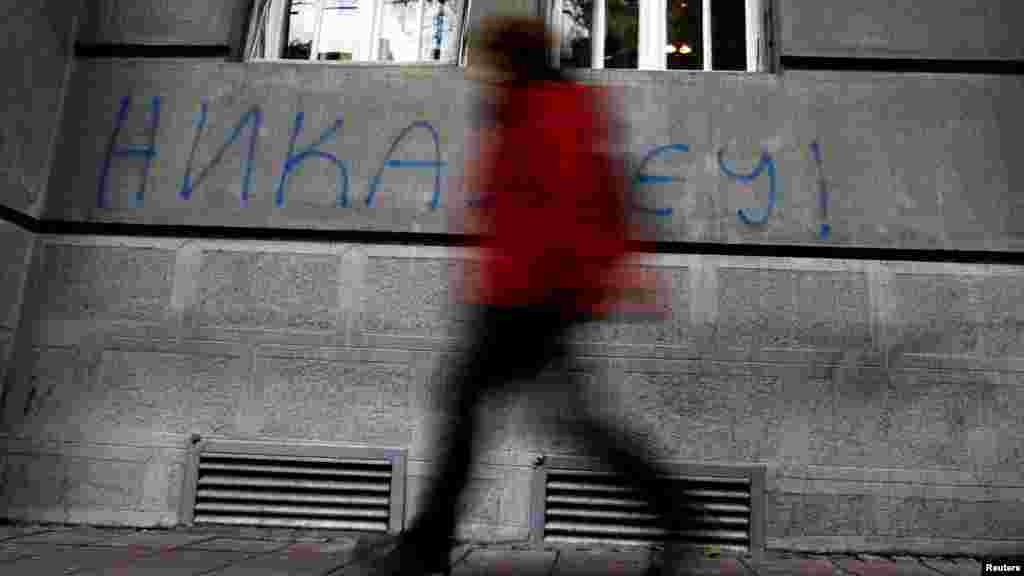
(511,345)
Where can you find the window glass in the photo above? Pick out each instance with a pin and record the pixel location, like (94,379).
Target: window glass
(301,24)
(622,34)
(402,34)
(441,22)
(576,30)
(400,31)
(342,30)
(729,35)
(685,42)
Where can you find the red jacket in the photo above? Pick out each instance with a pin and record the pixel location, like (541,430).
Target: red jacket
(554,215)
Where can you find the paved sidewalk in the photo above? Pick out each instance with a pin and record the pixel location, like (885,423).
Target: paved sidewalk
(45,550)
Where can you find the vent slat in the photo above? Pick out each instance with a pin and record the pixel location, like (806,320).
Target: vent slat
(256,468)
(587,501)
(292,523)
(583,540)
(610,488)
(291,510)
(577,513)
(580,528)
(286,497)
(595,502)
(289,491)
(278,483)
(583,513)
(569,474)
(378,463)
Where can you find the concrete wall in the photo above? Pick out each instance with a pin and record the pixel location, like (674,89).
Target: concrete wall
(164,22)
(900,161)
(36,40)
(951,29)
(882,396)
(16,247)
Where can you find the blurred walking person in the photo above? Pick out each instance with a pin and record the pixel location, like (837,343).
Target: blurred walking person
(553,214)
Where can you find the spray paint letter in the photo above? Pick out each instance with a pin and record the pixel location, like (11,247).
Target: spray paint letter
(147,152)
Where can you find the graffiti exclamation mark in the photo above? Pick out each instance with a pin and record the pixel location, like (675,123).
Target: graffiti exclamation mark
(825,229)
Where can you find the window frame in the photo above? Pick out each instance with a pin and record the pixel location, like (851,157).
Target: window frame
(653,28)
(270,35)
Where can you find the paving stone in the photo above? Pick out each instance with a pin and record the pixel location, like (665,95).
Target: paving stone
(296,559)
(589,562)
(155,538)
(73,537)
(951,567)
(47,560)
(239,544)
(776,564)
(506,563)
(17,531)
(170,562)
(877,566)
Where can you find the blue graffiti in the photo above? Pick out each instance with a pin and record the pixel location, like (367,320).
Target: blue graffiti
(148,152)
(312,151)
(642,178)
(295,158)
(388,162)
(255,117)
(765,162)
(825,229)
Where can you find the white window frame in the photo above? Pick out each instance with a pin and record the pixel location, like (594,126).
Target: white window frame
(275,21)
(653,29)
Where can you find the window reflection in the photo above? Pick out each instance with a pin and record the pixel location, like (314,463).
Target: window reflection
(576,31)
(685,41)
(404,30)
(729,34)
(622,34)
(301,23)
(340,30)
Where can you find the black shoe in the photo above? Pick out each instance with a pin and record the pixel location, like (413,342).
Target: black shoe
(411,557)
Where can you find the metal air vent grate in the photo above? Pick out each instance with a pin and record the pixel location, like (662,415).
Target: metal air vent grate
(289,486)
(579,504)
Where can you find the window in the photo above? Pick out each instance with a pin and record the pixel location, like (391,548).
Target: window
(662,34)
(358,30)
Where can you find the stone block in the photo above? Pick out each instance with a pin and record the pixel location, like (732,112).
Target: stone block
(408,297)
(1001,308)
(928,416)
(833,310)
(105,283)
(805,409)
(105,483)
(679,415)
(166,392)
(934,314)
(15,243)
(269,291)
(34,480)
(54,391)
(334,400)
(860,423)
